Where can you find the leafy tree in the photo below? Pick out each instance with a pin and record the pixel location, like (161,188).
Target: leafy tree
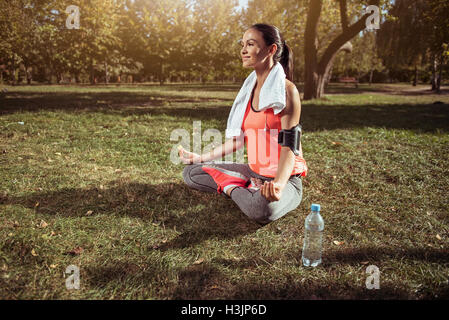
(318,66)
(362,61)
(415,34)
(438,38)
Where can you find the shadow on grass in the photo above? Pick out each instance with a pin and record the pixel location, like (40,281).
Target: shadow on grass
(196,215)
(377,255)
(206,281)
(421,118)
(92,101)
(314,116)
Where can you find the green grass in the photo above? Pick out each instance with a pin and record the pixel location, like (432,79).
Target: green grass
(93,164)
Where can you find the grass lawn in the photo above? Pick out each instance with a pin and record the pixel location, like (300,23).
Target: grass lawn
(86,180)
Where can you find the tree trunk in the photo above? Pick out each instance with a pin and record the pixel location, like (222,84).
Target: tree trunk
(371,77)
(13,71)
(106,75)
(328,77)
(415,78)
(50,73)
(91,70)
(317,70)
(29,74)
(434,74)
(311,77)
(440,75)
(161,74)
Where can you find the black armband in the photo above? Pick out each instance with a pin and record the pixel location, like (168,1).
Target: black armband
(291,138)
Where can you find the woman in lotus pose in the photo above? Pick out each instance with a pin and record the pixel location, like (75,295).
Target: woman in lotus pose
(267,103)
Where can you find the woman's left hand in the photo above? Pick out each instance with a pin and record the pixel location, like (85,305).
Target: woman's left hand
(271,190)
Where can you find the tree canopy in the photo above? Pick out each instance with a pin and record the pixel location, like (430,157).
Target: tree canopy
(196,40)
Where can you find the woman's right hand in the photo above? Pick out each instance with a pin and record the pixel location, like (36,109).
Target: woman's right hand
(188,157)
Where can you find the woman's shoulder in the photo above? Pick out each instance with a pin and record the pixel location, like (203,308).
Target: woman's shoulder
(290,88)
(293,97)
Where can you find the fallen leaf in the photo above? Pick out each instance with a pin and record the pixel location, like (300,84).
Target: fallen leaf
(118,170)
(88,213)
(438,237)
(43,224)
(364,262)
(338,243)
(336,143)
(199,261)
(58,153)
(33,253)
(76,251)
(53,266)
(428,213)
(37,204)
(214,287)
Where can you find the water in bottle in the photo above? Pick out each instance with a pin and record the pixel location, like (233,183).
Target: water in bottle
(313,237)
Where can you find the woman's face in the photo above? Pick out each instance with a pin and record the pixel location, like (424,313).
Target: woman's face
(254,51)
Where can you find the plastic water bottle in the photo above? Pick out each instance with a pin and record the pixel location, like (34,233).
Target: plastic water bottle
(313,237)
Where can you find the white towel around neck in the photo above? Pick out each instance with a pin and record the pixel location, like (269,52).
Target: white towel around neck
(272,95)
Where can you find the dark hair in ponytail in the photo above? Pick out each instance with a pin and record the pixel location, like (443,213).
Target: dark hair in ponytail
(284,54)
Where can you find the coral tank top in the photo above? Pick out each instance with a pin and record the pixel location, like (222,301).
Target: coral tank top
(261,129)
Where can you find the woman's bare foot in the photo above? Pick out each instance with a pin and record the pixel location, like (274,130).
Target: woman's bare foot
(256,183)
(228,192)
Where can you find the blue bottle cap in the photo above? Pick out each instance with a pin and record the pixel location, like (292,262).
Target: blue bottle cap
(315,207)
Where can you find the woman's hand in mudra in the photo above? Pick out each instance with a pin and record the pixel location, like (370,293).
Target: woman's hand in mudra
(188,157)
(271,190)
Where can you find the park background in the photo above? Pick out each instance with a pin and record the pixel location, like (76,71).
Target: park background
(86,117)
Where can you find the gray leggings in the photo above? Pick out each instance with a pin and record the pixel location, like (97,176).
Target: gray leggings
(251,202)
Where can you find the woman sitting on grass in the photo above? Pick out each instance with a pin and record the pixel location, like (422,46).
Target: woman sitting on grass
(264,191)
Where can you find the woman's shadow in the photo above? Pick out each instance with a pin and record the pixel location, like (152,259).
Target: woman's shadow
(196,216)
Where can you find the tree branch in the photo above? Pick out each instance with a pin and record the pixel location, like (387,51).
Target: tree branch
(345,36)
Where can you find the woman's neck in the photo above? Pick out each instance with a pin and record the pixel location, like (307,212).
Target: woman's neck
(262,72)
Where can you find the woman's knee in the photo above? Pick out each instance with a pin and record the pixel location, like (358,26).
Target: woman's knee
(186,174)
(275,210)
(261,210)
